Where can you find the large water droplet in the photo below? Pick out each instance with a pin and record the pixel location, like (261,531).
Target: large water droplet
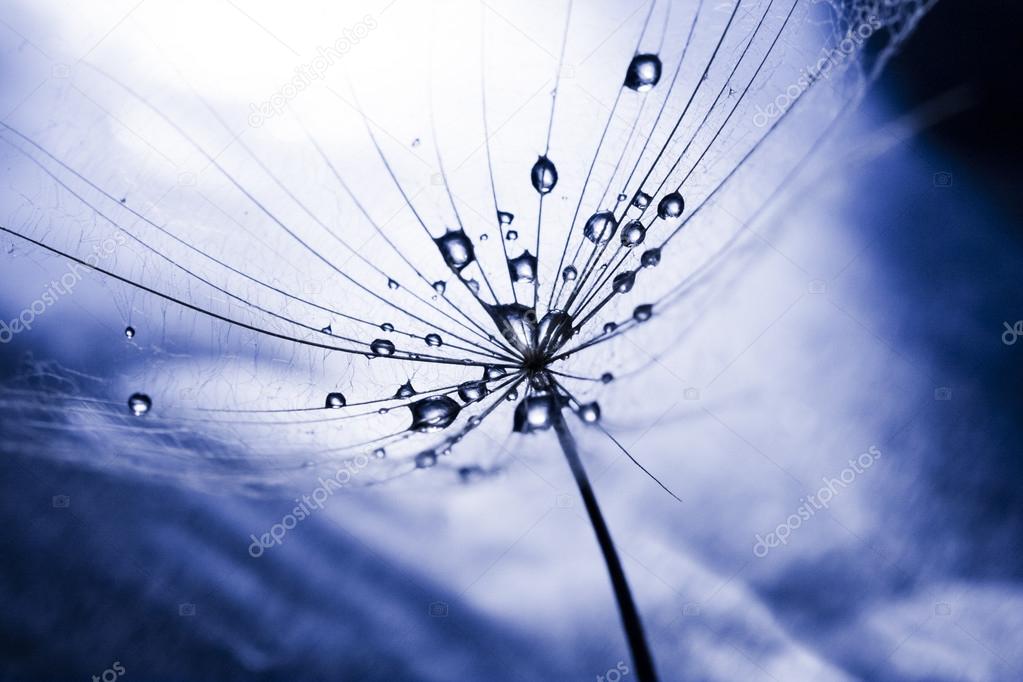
(382,347)
(671,206)
(643,312)
(335,401)
(516,322)
(425,460)
(433,413)
(633,234)
(433,340)
(623,282)
(522,268)
(589,412)
(129,331)
(405,391)
(139,404)
(600,227)
(456,248)
(535,413)
(643,73)
(544,175)
(505,218)
(471,391)
(650,257)
(641,200)
(440,287)
(569,273)
(492,372)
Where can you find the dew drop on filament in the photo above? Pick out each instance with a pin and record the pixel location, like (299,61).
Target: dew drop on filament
(425,460)
(641,200)
(643,73)
(650,257)
(327,330)
(387,327)
(456,249)
(505,218)
(610,327)
(522,268)
(671,206)
(535,413)
(335,401)
(623,282)
(405,391)
(633,234)
(589,412)
(512,235)
(433,340)
(642,313)
(569,273)
(493,372)
(600,227)
(382,347)
(544,175)
(607,378)
(440,287)
(391,284)
(433,413)
(380,453)
(129,331)
(471,391)
(139,404)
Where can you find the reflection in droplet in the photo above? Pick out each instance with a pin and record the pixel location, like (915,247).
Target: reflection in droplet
(671,205)
(633,234)
(456,249)
(335,401)
(600,227)
(433,413)
(535,413)
(139,404)
(522,268)
(471,391)
(589,412)
(382,347)
(544,175)
(493,372)
(643,73)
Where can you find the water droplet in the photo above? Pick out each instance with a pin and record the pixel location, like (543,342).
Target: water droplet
(382,347)
(516,322)
(405,391)
(129,331)
(387,327)
(391,284)
(643,312)
(327,330)
(641,200)
(535,413)
(415,142)
(484,237)
(544,175)
(425,460)
(623,282)
(600,227)
(473,285)
(671,206)
(335,401)
(440,287)
(643,73)
(633,234)
(569,273)
(512,235)
(433,413)
(505,218)
(512,397)
(607,378)
(589,412)
(610,327)
(380,453)
(139,404)
(475,421)
(471,391)
(554,330)
(492,372)
(456,248)
(622,197)
(650,257)
(383,410)
(433,340)
(522,268)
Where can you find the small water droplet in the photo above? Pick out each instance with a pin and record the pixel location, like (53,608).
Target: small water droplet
(589,412)
(544,175)
(650,257)
(473,285)
(633,234)
(610,327)
(129,331)
(512,397)
(380,453)
(139,404)
(456,249)
(433,413)
(492,372)
(623,282)
(440,287)
(643,312)
(327,330)
(535,413)
(522,268)
(405,391)
(512,235)
(569,273)
(383,410)
(600,227)
(671,206)
(433,340)
(643,73)
(622,197)
(607,378)
(484,237)
(415,142)
(505,218)
(382,347)
(335,401)
(475,421)
(391,284)
(641,200)
(425,460)
(471,391)
(387,327)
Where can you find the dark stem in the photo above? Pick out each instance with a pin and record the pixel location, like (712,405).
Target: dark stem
(641,660)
